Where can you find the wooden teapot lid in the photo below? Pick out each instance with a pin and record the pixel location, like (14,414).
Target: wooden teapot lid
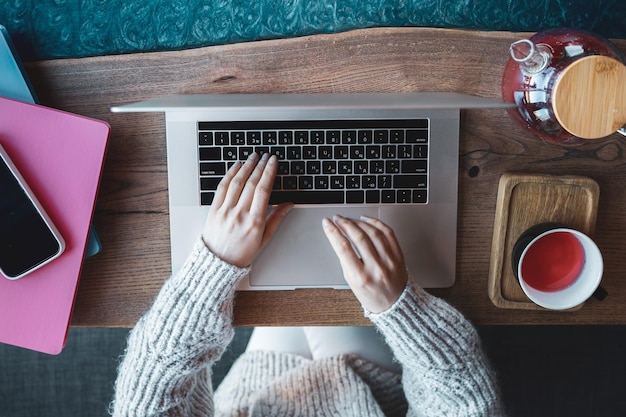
(589,97)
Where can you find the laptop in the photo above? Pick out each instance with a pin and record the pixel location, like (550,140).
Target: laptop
(388,156)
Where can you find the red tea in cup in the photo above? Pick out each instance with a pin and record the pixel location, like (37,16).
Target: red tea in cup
(557,267)
(553,262)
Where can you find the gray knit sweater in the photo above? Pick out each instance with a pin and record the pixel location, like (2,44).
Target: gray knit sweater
(167,366)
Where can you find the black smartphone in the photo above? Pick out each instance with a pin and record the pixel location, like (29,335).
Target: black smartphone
(28,239)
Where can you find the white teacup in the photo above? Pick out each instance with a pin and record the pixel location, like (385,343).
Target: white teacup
(557,267)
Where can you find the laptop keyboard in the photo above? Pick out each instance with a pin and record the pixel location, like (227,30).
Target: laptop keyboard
(324,162)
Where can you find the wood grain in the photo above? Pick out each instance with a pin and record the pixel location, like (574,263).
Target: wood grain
(590,97)
(131,217)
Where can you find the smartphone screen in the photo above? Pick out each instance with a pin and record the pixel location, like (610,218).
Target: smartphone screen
(27,240)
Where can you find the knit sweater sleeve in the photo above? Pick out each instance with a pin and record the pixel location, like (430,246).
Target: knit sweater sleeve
(166,367)
(444,370)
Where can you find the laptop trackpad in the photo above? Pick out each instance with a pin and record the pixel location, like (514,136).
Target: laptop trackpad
(299,255)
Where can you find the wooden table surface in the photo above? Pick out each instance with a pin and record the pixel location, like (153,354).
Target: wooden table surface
(131,217)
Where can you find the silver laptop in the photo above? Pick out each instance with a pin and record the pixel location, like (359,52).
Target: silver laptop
(389,156)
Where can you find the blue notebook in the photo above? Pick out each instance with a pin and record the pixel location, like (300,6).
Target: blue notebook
(14,84)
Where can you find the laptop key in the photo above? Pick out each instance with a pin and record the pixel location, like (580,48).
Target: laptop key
(389,152)
(377,167)
(302,137)
(205,138)
(420,196)
(279,151)
(404,196)
(372,196)
(373,151)
(309,152)
(210,154)
(206,199)
(237,138)
(417,136)
(307,197)
(317,137)
(348,137)
(341,152)
(245,152)
(361,167)
(353,182)
(231,154)
(290,183)
(209,184)
(337,182)
(355,197)
(212,168)
(305,182)
(285,137)
(278,183)
(388,196)
(392,166)
(260,150)
(345,167)
(321,182)
(325,152)
(333,137)
(384,181)
(413,166)
(420,151)
(365,137)
(298,167)
(222,138)
(405,151)
(329,167)
(357,152)
(253,138)
(396,136)
(381,136)
(313,167)
(283,168)
(369,181)
(270,138)
(294,152)
(409,181)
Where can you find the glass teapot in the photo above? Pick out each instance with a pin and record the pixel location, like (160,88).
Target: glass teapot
(569,86)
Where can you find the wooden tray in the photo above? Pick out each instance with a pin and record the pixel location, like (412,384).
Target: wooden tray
(525,200)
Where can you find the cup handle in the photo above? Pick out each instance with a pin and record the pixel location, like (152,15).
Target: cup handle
(600,294)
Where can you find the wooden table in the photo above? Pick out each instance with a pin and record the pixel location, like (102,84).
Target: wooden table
(131,217)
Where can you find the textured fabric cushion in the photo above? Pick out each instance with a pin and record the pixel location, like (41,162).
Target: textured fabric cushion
(76,28)
(78,382)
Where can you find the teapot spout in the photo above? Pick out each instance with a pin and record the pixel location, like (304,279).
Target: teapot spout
(532,58)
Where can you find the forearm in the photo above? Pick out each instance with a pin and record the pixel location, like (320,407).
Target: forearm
(445,371)
(173,345)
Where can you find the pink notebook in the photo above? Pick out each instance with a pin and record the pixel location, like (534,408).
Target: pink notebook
(60,155)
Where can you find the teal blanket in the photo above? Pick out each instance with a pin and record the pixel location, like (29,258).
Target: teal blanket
(75,28)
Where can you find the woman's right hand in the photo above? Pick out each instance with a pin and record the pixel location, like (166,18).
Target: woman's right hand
(376,270)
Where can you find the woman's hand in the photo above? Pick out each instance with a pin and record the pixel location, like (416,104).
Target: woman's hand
(376,271)
(239,225)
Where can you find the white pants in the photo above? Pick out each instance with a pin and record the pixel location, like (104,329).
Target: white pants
(322,342)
